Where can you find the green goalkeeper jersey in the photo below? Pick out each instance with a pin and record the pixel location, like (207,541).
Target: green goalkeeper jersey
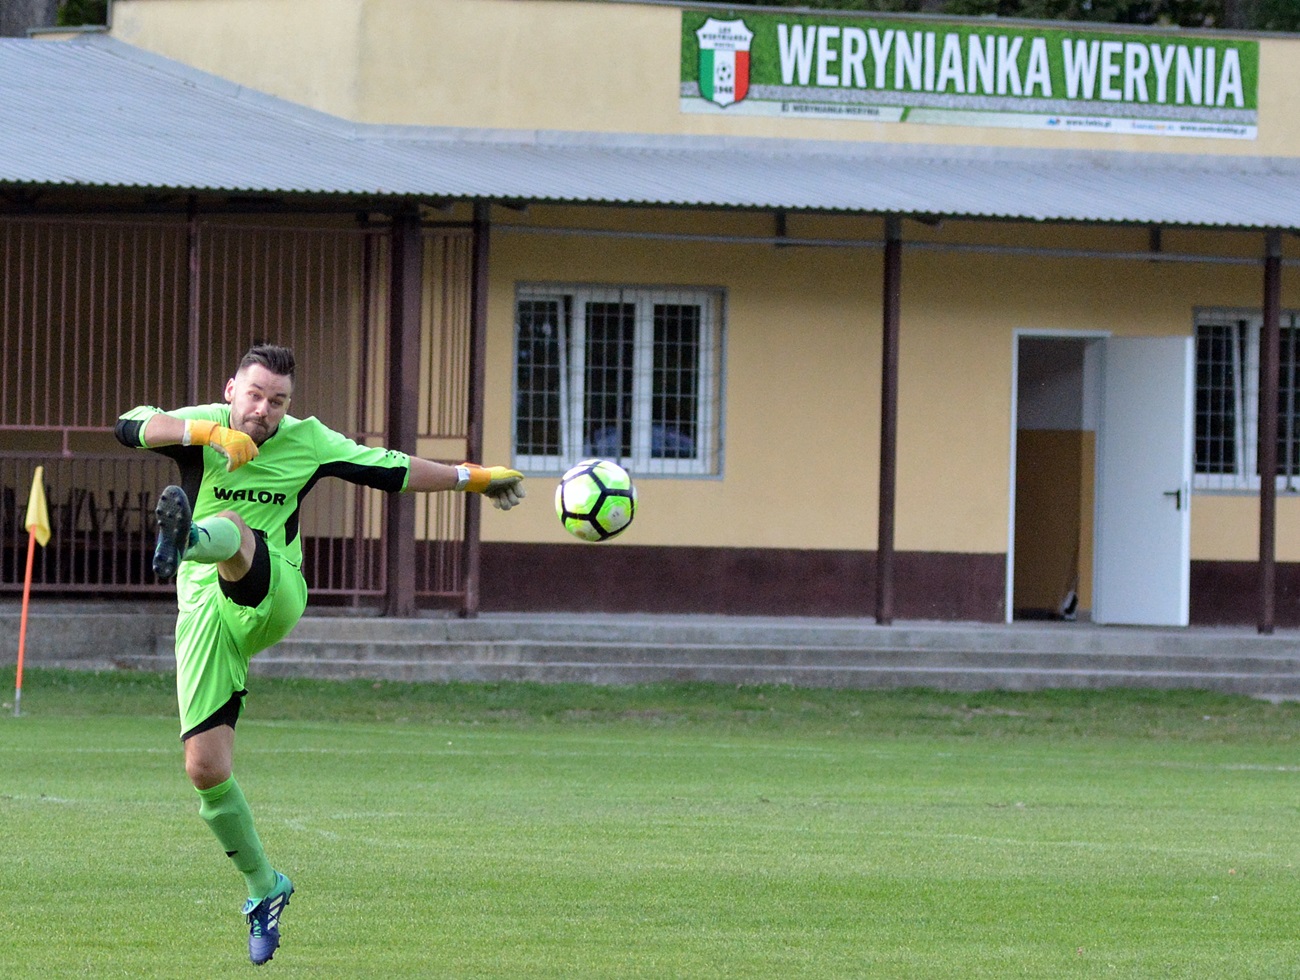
(267,493)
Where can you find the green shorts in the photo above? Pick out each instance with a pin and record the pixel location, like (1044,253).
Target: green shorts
(216,635)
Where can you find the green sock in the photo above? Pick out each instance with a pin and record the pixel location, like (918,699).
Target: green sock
(212,540)
(227,812)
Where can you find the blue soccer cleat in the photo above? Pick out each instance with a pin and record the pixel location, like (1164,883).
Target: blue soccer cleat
(264,921)
(175,531)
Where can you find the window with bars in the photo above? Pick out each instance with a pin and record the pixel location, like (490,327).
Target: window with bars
(1227,401)
(630,374)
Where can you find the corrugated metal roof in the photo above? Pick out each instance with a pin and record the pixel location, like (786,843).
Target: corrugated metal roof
(785,174)
(95,112)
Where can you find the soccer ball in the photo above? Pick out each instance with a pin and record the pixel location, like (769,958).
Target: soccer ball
(595,500)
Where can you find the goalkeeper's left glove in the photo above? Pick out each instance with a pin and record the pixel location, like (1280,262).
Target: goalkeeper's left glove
(504,487)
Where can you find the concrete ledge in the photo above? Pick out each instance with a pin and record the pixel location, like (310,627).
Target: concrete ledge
(614,649)
(89,636)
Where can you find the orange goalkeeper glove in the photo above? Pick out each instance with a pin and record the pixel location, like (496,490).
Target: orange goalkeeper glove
(504,487)
(238,447)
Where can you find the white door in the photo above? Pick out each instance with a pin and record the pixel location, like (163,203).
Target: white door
(1142,550)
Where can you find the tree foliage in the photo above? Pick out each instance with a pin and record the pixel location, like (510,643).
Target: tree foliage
(74,13)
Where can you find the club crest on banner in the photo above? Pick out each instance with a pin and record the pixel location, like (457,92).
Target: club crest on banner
(724,60)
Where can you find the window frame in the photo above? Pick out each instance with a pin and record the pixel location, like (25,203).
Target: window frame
(573,348)
(1245,477)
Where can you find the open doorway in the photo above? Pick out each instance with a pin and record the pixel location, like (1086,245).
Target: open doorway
(1055,468)
(1101,521)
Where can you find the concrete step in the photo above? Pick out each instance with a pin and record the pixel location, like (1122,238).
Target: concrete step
(614,649)
(815,653)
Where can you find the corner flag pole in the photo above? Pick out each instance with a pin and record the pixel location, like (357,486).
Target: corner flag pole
(38,532)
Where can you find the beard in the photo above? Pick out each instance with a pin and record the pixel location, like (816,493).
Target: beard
(256,429)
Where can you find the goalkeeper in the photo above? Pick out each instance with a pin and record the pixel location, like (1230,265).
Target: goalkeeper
(229,533)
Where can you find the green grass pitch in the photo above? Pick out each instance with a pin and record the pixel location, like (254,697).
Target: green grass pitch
(666,831)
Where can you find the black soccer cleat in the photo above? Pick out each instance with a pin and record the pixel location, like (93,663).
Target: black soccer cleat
(175,524)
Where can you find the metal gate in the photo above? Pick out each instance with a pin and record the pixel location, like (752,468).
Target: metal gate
(98,315)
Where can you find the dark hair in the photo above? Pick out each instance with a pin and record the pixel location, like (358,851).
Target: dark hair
(277,360)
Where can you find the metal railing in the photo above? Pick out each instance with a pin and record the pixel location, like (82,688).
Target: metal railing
(99,315)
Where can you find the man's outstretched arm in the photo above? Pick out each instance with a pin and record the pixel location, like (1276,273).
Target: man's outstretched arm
(504,487)
(159,429)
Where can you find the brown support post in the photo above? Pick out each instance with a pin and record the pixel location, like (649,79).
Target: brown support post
(474,410)
(889,421)
(404,301)
(365,421)
(193,265)
(1270,343)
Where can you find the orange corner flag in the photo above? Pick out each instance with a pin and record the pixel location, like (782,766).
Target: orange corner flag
(38,530)
(38,512)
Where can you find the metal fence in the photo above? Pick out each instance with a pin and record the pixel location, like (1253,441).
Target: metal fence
(99,315)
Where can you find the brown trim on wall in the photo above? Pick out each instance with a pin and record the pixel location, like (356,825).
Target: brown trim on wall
(1227,593)
(737,581)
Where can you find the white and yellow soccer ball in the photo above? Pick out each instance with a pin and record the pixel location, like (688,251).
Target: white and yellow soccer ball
(596,500)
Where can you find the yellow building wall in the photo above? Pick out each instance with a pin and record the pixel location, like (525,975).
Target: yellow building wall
(555,64)
(959,311)
(801,399)
(1225,527)
(306,52)
(802,357)
(802,365)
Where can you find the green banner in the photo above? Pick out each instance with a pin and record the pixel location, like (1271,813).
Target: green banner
(971,73)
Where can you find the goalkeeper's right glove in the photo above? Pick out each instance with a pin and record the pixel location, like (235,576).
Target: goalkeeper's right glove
(238,447)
